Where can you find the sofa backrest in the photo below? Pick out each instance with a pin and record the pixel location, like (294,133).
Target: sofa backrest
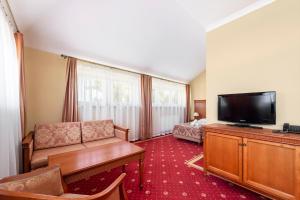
(96,130)
(56,135)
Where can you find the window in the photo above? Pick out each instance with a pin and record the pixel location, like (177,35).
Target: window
(105,93)
(168,105)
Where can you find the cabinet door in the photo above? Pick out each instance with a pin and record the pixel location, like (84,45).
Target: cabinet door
(271,168)
(223,155)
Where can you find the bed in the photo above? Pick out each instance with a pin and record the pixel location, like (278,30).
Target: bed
(188,132)
(193,131)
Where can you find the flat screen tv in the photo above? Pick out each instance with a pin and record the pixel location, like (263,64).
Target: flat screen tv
(248,108)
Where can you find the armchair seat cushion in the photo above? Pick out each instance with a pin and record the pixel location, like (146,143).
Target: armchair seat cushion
(102,142)
(40,157)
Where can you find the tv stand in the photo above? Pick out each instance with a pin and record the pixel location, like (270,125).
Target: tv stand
(262,161)
(245,126)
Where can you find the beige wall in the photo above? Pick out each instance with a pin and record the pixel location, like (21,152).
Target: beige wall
(198,89)
(258,52)
(45,86)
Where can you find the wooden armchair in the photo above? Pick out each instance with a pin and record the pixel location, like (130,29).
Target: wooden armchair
(47,183)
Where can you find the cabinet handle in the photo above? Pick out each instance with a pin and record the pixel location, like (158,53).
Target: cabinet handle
(243,144)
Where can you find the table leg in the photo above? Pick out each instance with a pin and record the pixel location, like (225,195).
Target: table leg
(141,172)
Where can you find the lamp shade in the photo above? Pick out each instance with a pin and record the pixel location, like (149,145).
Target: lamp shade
(196,114)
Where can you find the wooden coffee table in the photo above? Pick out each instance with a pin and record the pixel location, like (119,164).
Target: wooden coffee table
(104,157)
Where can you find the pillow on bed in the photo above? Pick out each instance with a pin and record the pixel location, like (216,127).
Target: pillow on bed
(199,122)
(202,121)
(193,123)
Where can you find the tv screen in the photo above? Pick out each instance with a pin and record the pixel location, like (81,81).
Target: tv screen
(250,108)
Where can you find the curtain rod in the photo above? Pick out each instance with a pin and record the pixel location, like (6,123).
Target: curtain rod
(105,65)
(8,13)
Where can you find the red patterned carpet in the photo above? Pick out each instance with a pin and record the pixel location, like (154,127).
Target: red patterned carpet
(168,175)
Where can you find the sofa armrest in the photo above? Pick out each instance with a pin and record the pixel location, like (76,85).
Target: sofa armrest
(121,132)
(27,147)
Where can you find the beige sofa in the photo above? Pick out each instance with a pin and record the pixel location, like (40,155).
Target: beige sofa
(49,139)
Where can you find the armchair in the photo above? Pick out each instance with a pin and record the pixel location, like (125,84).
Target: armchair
(47,183)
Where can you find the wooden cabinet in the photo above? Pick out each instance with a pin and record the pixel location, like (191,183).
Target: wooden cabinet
(224,155)
(258,159)
(270,167)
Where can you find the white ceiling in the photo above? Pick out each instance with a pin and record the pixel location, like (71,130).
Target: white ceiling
(164,38)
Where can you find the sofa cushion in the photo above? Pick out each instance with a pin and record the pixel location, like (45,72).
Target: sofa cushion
(102,142)
(42,181)
(96,130)
(56,135)
(40,157)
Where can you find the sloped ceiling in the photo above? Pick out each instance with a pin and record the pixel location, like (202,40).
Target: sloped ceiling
(164,38)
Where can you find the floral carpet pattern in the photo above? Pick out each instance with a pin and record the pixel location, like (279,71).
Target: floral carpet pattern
(167,175)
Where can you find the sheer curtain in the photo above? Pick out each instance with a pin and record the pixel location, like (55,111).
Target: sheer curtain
(105,93)
(10,124)
(168,105)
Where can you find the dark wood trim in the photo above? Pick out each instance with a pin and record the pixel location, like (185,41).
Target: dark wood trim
(200,107)
(118,183)
(27,139)
(27,150)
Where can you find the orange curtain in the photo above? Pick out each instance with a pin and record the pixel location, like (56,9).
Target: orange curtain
(20,54)
(188,106)
(146,107)
(70,110)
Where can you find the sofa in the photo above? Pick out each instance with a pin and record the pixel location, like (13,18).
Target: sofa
(54,138)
